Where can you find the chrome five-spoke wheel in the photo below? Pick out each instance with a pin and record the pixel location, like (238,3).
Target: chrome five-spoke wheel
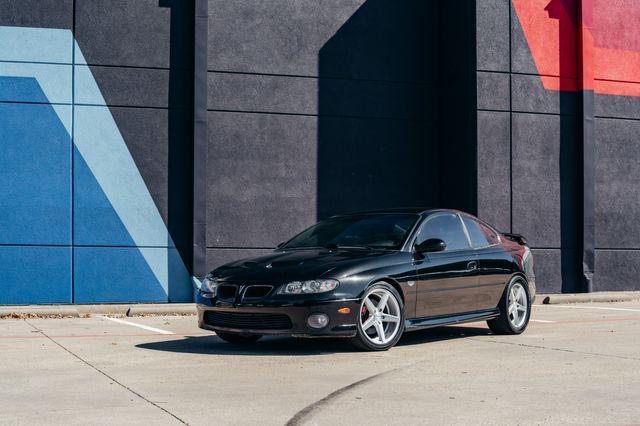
(517,305)
(380,316)
(514,309)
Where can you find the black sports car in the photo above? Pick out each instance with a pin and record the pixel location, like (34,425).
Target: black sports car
(371,276)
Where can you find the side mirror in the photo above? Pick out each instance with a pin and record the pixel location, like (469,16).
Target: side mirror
(431,245)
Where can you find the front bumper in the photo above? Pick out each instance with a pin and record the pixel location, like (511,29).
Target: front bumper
(340,324)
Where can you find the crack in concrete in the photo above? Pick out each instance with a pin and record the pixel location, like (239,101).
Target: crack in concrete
(113,379)
(550,348)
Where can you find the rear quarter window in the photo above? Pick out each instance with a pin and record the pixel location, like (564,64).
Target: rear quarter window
(480,234)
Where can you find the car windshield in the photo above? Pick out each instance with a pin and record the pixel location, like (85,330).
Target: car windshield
(384,231)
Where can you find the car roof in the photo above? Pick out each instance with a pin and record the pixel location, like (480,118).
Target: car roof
(413,210)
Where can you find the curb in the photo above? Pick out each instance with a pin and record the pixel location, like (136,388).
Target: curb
(608,296)
(37,312)
(58,311)
(184,309)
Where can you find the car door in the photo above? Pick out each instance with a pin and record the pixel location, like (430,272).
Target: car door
(493,263)
(445,279)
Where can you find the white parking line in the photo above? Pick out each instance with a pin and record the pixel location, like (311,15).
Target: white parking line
(145,327)
(593,307)
(544,321)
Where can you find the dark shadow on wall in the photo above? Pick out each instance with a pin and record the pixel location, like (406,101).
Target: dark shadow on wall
(566,13)
(396,98)
(180,130)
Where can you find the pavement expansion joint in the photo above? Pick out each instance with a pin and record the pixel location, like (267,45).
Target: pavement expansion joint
(549,348)
(105,374)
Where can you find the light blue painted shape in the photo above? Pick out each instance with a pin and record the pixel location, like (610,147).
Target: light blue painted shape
(95,220)
(24,44)
(54,80)
(35,173)
(126,274)
(86,91)
(99,142)
(30,275)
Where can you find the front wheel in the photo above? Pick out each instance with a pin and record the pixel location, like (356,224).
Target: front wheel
(381,318)
(515,309)
(239,339)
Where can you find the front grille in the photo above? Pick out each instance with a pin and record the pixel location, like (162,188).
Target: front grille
(227,292)
(247,321)
(257,291)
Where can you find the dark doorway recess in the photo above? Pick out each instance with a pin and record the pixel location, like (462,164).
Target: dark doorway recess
(396,104)
(565,11)
(180,130)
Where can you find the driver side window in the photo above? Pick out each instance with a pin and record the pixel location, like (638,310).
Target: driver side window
(446,227)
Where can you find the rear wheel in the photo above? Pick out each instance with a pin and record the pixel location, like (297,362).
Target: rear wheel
(515,309)
(239,339)
(381,318)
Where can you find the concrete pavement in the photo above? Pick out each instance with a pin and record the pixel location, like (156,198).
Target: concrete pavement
(575,364)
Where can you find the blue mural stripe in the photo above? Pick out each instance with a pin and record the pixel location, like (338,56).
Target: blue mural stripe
(30,275)
(123,274)
(35,172)
(110,274)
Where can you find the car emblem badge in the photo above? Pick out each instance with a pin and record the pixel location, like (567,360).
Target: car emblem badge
(269,266)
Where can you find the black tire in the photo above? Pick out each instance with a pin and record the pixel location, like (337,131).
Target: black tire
(503,324)
(361,341)
(239,339)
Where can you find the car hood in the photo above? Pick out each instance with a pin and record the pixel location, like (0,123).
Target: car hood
(302,264)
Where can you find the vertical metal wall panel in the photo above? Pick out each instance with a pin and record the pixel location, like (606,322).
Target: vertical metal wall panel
(587,142)
(617,196)
(493,176)
(37,13)
(492,24)
(200,139)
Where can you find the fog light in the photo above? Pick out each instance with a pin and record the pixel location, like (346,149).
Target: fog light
(318,320)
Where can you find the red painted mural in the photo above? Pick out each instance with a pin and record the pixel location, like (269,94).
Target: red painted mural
(584,44)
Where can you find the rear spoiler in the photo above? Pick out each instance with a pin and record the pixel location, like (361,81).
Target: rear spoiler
(516,238)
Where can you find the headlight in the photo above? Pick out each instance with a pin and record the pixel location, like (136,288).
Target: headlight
(209,285)
(309,287)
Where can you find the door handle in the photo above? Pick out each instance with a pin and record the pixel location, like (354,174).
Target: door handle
(473,265)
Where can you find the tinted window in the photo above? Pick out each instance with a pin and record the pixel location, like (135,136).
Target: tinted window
(382,231)
(446,227)
(478,239)
(489,233)
(479,233)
